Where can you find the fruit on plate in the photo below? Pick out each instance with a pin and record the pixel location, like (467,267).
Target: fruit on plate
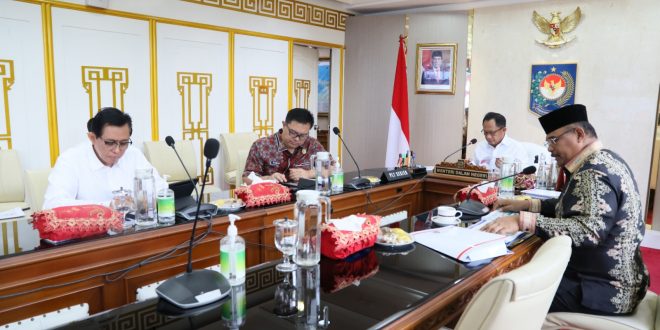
(395,236)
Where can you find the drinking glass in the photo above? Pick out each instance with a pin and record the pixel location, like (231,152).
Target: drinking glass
(286,236)
(285,298)
(122,201)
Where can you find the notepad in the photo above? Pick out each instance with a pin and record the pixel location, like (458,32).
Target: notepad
(463,244)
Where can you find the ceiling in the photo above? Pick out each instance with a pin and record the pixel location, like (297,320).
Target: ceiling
(366,7)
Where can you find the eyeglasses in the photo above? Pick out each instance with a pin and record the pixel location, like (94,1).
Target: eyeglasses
(295,135)
(491,133)
(112,144)
(553,140)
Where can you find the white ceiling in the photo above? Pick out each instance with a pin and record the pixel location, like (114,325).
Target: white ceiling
(366,7)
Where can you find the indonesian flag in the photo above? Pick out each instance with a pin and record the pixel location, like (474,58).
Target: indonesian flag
(398,135)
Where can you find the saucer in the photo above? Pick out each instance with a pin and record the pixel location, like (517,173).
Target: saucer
(445,221)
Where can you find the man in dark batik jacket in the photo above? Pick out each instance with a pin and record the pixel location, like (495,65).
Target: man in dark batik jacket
(599,208)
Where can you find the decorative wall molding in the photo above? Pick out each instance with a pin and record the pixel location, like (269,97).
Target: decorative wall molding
(290,10)
(93,78)
(6,81)
(263,88)
(301,90)
(195,88)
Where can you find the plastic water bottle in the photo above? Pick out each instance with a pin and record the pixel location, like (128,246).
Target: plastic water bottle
(506,185)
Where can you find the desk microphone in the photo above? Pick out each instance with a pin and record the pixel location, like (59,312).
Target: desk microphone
(473,141)
(359,182)
(170,142)
(475,208)
(202,286)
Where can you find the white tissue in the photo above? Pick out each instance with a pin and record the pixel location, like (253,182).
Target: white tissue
(256,179)
(349,223)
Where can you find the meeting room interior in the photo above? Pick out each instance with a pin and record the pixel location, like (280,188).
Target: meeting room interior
(329,164)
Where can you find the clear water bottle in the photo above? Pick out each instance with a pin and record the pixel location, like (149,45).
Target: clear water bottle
(144,187)
(322,165)
(337,179)
(508,168)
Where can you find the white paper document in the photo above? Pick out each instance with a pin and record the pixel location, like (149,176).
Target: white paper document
(541,193)
(492,216)
(464,244)
(12,213)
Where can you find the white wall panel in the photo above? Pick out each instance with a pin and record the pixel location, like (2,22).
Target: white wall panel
(260,57)
(21,44)
(306,72)
(192,53)
(94,40)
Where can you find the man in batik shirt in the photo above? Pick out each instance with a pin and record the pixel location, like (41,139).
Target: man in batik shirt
(599,208)
(285,155)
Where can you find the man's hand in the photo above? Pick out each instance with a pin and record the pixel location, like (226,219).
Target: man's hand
(503,225)
(279,177)
(498,162)
(296,173)
(512,205)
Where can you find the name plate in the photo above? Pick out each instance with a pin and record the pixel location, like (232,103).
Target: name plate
(461,172)
(395,175)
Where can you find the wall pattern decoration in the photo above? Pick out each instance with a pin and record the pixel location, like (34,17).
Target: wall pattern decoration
(6,80)
(95,80)
(195,88)
(290,10)
(262,90)
(301,90)
(15,248)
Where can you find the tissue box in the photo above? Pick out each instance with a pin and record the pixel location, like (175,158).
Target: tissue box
(487,198)
(339,244)
(70,222)
(264,193)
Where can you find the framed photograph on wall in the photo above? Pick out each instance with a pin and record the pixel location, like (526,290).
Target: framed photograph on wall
(435,72)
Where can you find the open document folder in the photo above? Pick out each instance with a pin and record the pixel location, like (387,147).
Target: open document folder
(464,244)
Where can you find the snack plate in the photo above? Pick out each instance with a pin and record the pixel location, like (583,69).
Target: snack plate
(229,204)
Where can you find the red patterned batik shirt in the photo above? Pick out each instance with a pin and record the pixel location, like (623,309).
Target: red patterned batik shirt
(268,155)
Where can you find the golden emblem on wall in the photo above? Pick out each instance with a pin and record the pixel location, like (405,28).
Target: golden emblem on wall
(302,89)
(556,27)
(102,84)
(6,81)
(195,88)
(263,90)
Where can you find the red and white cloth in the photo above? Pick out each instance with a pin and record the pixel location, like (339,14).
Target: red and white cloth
(398,136)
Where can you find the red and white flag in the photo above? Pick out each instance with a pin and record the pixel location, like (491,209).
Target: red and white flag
(398,135)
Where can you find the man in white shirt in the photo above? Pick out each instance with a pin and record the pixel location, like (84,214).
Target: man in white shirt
(489,153)
(91,171)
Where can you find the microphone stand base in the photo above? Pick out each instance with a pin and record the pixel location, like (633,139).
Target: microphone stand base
(358,183)
(194,289)
(471,207)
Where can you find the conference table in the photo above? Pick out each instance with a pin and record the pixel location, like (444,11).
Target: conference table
(376,288)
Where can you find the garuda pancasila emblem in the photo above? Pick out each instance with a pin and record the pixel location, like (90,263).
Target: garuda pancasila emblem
(556,27)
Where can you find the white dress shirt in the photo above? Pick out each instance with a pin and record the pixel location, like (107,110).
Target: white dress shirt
(80,178)
(485,154)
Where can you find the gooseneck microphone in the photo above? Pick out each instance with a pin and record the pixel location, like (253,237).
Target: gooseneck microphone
(170,142)
(359,182)
(474,208)
(473,141)
(203,286)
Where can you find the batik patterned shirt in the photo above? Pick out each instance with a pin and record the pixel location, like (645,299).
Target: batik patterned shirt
(269,155)
(601,210)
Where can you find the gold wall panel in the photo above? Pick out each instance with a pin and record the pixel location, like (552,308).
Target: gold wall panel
(263,89)
(302,89)
(5,238)
(6,81)
(195,88)
(290,10)
(92,79)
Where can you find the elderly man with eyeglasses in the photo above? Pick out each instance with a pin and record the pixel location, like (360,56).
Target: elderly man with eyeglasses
(599,208)
(91,171)
(285,155)
(490,152)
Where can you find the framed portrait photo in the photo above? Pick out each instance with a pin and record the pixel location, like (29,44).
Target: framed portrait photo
(435,72)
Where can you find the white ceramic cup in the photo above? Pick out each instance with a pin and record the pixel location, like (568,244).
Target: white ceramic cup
(446,221)
(449,212)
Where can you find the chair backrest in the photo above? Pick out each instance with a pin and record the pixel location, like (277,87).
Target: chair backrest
(520,299)
(242,159)
(36,182)
(12,188)
(231,144)
(534,150)
(163,158)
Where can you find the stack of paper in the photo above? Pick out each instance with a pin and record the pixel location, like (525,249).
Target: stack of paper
(462,243)
(541,193)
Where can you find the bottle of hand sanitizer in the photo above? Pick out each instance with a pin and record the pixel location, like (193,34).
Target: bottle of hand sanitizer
(232,254)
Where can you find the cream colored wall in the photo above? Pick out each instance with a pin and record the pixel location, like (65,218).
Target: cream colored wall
(371,48)
(616,51)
